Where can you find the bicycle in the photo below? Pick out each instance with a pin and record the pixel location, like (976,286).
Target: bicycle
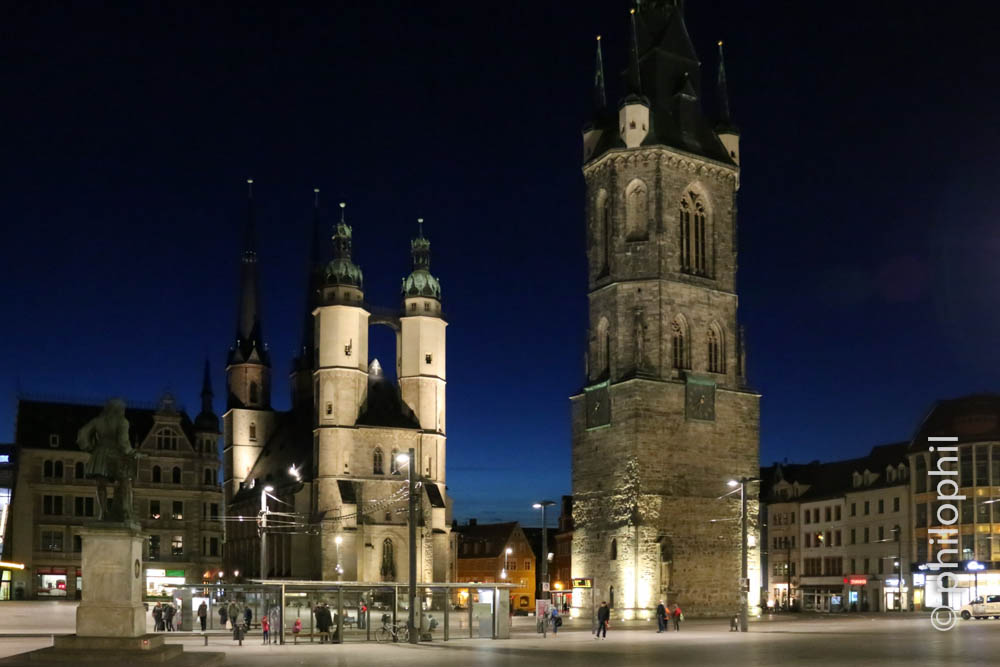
(397,633)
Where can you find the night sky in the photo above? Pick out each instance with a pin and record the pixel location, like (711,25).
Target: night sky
(868,207)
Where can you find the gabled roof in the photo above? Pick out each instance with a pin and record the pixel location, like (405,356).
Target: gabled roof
(37,420)
(493,536)
(384,405)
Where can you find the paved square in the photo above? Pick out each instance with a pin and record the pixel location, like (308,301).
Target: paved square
(856,640)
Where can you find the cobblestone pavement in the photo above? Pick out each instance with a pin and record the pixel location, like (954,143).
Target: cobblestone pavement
(856,640)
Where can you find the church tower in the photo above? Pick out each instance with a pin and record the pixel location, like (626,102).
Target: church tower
(665,417)
(249,418)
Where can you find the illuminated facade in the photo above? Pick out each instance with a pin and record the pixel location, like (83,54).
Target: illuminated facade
(332,460)
(665,417)
(965,465)
(498,553)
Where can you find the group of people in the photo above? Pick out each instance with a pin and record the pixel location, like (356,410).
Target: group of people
(163,617)
(229,615)
(664,615)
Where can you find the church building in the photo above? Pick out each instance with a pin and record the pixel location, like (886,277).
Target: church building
(666,417)
(332,471)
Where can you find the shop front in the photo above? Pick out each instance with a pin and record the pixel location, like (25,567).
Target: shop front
(957,588)
(50,582)
(823,598)
(161,583)
(894,599)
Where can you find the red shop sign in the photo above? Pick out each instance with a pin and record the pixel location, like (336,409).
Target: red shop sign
(855,581)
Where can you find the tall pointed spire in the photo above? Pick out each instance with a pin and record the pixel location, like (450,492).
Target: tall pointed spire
(725,118)
(634,80)
(206,420)
(249,343)
(206,389)
(600,92)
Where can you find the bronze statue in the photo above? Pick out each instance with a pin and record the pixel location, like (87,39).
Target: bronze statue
(112,459)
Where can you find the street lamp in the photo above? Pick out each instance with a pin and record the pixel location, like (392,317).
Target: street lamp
(263,530)
(410,459)
(545,543)
(975,566)
(744,573)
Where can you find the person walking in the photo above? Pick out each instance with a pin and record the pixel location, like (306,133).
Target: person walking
(234,614)
(247,616)
(202,614)
(223,615)
(556,620)
(678,617)
(157,617)
(265,628)
(603,616)
(661,617)
(168,614)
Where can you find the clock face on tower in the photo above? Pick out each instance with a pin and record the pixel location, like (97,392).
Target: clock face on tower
(598,406)
(700,399)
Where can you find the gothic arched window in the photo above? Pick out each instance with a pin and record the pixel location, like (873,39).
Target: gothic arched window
(377,462)
(176,475)
(694,237)
(393,463)
(716,350)
(611,596)
(636,211)
(679,338)
(253,430)
(157,474)
(388,569)
(254,393)
(614,549)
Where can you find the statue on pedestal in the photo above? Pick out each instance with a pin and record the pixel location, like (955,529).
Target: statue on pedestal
(112,460)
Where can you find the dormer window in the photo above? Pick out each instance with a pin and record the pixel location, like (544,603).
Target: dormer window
(53,440)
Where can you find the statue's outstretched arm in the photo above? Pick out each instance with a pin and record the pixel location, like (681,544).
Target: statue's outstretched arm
(84,437)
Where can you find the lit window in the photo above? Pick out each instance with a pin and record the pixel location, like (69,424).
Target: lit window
(177,545)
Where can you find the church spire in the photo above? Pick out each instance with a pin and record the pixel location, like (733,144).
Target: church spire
(249,342)
(342,270)
(206,419)
(725,119)
(420,282)
(634,81)
(600,92)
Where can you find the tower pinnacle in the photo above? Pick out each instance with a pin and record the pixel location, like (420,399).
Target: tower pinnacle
(725,124)
(600,93)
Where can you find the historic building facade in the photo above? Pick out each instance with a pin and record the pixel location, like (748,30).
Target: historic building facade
(178,498)
(332,463)
(666,416)
(499,553)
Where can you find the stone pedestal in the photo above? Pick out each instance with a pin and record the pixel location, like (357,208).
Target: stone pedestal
(112,593)
(111,621)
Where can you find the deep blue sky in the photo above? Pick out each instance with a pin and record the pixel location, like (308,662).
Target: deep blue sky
(868,209)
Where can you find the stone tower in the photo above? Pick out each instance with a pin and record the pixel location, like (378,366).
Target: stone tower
(665,417)
(248,419)
(363,421)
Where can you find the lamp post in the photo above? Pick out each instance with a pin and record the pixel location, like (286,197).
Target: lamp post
(744,570)
(975,566)
(263,530)
(410,459)
(545,543)
(899,565)
(506,564)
